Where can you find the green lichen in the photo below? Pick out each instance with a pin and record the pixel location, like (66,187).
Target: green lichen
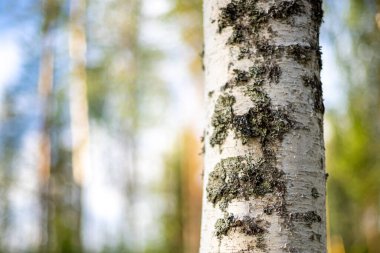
(284,10)
(267,50)
(221,119)
(241,178)
(274,72)
(303,54)
(261,121)
(239,12)
(260,71)
(246,225)
(239,34)
(248,21)
(260,242)
(241,76)
(222,226)
(256,75)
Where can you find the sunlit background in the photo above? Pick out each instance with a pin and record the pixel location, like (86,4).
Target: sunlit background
(101,115)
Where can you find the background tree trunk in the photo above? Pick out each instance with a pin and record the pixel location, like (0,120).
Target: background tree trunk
(264,179)
(45,90)
(79,119)
(44,166)
(78,89)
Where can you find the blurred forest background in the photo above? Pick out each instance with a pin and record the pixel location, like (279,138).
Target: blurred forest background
(101,118)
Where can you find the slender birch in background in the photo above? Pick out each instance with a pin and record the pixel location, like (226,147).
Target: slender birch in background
(264,179)
(78,89)
(79,122)
(45,84)
(45,90)
(60,214)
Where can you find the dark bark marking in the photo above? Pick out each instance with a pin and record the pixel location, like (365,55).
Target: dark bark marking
(314,193)
(316,90)
(308,218)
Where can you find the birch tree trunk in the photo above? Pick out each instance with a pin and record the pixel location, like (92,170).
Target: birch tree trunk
(78,89)
(264,179)
(79,122)
(50,10)
(45,86)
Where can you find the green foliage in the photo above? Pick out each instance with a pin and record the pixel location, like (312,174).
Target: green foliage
(353,157)
(171,224)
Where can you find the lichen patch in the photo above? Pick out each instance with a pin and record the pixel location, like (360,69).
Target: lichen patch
(261,121)
(247,12)
(245,225)
(241,178)
(222,118)
(256,75)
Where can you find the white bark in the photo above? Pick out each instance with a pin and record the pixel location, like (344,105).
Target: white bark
(294,219)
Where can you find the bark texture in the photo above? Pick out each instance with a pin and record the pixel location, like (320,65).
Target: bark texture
(264,179)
